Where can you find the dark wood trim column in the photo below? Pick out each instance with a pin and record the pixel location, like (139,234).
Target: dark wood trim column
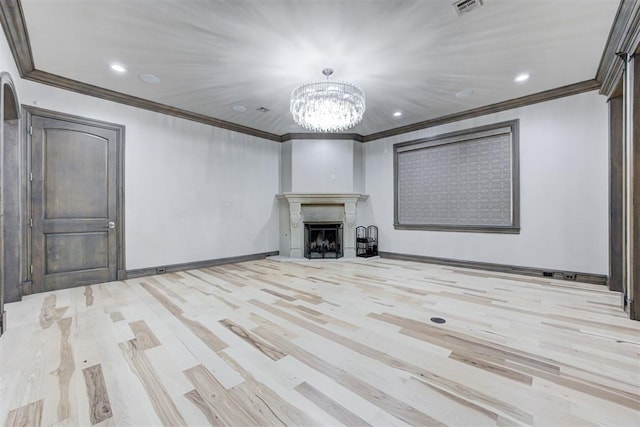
(634,180)
(616,193)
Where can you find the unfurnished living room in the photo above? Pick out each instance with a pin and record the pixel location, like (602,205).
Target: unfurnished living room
(320,212)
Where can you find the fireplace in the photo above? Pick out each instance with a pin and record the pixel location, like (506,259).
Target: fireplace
(322,240)
(319,210)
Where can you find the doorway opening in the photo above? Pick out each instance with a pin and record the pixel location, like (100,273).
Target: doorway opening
(10,236)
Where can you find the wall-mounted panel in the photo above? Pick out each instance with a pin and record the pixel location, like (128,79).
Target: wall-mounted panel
(462,181)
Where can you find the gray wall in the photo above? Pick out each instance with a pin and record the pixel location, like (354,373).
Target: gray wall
(563,191)
(192,192)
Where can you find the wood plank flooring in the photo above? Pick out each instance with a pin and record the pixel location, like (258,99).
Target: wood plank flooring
(322,344)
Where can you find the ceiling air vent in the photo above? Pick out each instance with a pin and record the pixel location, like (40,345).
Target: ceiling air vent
(466,6)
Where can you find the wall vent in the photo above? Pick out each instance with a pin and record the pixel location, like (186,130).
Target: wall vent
(466,6)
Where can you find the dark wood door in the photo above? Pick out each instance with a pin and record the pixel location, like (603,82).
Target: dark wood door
(73,203)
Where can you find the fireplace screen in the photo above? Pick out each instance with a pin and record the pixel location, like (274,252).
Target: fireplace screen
(322,240)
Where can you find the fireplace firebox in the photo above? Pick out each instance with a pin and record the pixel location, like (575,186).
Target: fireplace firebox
(322,240)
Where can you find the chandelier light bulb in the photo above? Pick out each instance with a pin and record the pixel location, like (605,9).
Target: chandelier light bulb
(327,106)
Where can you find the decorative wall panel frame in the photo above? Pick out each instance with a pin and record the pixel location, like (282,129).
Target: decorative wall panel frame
(477,151)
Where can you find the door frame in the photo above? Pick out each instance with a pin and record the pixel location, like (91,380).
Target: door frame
(29,112)
(9,111)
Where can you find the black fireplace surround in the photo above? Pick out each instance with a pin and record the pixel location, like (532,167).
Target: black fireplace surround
(322,240)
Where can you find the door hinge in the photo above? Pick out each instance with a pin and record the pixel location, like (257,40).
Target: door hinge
(30,130)
(31,269)
(31,176)
(31,222)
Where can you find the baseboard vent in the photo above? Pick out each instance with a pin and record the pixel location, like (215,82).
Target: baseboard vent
(465,6)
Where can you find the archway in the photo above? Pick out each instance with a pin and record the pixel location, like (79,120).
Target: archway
(10,200)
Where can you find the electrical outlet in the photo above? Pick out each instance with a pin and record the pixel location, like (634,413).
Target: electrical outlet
(161,270)
(569,276)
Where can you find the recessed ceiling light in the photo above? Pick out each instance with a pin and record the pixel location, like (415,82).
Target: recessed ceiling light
(464,93)
(239,108)
(149,78)
(397,114)
(118,68)
(522,77)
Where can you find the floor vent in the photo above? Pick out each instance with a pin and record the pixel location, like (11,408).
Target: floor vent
(466,6)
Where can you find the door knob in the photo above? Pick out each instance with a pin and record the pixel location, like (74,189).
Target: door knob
(112,225)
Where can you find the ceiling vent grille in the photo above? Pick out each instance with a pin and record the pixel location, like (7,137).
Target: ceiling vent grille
(466,6)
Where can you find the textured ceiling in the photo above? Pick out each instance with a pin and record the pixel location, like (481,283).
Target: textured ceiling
(411,56)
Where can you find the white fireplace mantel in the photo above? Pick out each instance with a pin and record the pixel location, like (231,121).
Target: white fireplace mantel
(323,198)
(297,200)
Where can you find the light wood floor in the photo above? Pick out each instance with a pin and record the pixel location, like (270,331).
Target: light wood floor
(322,343)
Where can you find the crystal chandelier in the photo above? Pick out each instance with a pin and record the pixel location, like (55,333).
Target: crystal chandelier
(327,106)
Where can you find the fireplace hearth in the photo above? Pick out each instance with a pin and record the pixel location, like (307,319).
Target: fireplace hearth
(322,240)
